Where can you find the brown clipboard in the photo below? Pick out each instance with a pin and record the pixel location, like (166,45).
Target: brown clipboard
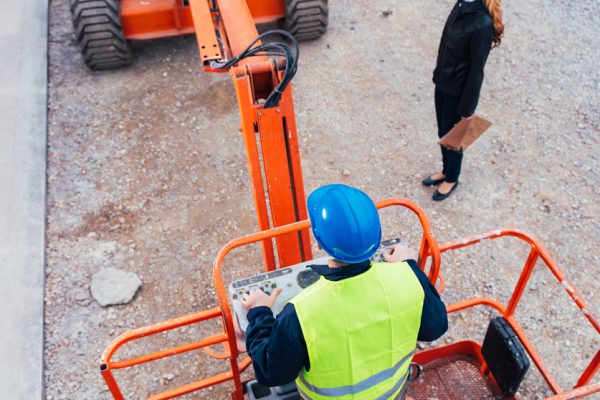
(465,133)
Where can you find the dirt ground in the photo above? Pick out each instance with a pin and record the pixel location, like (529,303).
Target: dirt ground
(147,173)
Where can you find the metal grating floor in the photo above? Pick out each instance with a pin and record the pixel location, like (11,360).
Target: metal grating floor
(453,378)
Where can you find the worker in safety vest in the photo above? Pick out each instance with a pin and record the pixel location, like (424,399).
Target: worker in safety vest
(352,334)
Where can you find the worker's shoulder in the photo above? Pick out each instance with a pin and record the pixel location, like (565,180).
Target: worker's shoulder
(407,266)
(309,291)
(410,263)
(420,274)
(398,264)
(288,312)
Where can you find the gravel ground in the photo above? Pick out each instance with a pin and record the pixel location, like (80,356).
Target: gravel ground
(147,173)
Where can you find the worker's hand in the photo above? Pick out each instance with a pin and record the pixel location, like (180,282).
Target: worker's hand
(240,340)
(258,298)
(400,252)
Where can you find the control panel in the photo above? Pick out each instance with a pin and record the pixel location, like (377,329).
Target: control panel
(291,280)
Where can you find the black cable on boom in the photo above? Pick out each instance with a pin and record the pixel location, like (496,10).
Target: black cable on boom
(269,49)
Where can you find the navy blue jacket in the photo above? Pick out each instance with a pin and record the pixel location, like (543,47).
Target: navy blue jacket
(464,48)
(277,346)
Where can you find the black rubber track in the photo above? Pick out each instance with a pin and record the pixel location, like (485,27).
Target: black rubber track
(306,19)
(99,33)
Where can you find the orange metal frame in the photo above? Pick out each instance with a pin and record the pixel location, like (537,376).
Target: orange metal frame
(152,19)
(270,135)
(429,250)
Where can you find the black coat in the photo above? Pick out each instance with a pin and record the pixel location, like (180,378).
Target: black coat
(464,48)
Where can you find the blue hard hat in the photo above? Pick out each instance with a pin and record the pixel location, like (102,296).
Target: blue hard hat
(345,222)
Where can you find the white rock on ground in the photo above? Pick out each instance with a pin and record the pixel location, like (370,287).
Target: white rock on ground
(112,286)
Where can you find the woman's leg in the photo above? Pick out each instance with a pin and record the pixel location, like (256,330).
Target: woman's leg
(439,112)
(448,118)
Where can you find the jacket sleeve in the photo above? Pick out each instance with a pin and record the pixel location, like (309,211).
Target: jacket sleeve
(480,45)
(276,346)
(434,319)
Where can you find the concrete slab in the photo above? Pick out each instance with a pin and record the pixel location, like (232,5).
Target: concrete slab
(23,98)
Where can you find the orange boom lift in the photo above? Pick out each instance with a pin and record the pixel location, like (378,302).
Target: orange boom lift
(228,40)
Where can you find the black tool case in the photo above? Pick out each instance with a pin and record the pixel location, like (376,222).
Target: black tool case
(505,356)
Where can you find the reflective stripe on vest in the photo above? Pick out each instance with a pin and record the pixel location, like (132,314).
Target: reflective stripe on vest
(363,385)
(387,395)
(360,333)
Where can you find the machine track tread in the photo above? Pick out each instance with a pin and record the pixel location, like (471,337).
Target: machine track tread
(306,19)
(99,33)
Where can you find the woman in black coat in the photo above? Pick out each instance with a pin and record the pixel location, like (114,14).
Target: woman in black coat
(473,26)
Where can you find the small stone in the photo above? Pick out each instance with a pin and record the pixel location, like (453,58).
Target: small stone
(168,377)
(345,172)
(165,74)
(80,296)
(111,286)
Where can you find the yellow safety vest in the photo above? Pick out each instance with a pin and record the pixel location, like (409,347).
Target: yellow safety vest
(360,333)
